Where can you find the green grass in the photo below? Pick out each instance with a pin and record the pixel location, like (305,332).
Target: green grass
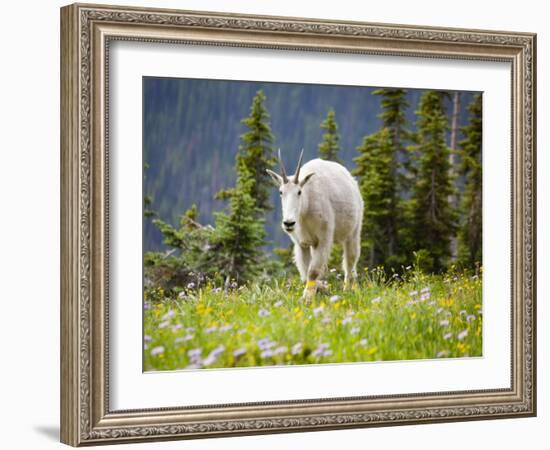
(268,324)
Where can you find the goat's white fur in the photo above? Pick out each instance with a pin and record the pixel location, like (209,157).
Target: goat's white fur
(328,210)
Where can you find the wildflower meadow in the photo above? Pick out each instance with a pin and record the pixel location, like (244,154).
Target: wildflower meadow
(220,224)
(412,316)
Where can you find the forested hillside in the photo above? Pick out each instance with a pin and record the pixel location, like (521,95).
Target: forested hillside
(192,132)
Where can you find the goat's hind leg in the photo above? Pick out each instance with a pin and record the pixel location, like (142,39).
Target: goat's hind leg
(352,249)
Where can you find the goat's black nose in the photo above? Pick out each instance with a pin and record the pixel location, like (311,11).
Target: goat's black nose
(289,224)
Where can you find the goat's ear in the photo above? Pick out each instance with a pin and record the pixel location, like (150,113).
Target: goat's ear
(277,179)
(306,178)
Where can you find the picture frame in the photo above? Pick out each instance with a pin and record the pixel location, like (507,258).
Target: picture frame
(87,32)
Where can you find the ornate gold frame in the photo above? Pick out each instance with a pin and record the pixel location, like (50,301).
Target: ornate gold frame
(86,31)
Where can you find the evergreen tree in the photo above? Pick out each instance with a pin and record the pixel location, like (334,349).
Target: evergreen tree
(185,261)
(255,155)
(469,234)
(330,145)
(432,219)
(239,234)
(394,104)
(377,186)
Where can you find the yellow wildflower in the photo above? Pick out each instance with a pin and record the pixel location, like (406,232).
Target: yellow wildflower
(462,348)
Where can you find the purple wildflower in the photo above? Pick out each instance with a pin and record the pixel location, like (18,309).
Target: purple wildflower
(266,354)
(318,310)
(265,344)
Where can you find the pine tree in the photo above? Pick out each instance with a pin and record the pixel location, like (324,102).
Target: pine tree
(377,186)
(469,234)
(394,104)
(239,234)
(330,145)
(432,219)
(255,155)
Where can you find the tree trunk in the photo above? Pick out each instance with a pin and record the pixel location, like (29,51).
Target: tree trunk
(453,200)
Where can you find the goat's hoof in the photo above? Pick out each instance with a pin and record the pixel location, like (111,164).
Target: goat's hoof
(309,291)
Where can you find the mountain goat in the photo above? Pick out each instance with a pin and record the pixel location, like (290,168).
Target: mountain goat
(321,205)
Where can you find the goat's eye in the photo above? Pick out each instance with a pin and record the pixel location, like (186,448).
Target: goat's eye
(280,192)
(299,192)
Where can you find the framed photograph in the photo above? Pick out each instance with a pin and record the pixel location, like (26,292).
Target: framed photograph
(275,224)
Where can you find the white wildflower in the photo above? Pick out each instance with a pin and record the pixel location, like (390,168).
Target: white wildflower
(296,348)
(239,352)
(326,320)
(460,336)
(346,320)
(280,350)
(157,350)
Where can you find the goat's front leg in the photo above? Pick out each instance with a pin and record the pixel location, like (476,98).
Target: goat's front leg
(317,266)
(302,258)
